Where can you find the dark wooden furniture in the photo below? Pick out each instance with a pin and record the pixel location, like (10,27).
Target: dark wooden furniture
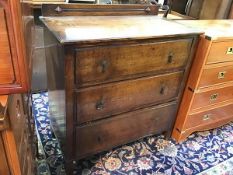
(16,142)
(208,9)
(113,79)
(231,12)
(208,100)
(179,6)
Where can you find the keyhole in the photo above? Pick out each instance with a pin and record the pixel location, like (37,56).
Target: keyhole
(99,139)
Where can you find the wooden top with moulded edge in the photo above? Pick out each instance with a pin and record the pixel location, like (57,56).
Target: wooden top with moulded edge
(214,29)
(85,29)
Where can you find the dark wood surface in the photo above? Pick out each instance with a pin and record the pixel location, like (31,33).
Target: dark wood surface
(112,132)
(106,64)
(87,29)
(111,99)
(209,9)
(99,10)
(107,105)
(19,138)
(179,6)
(231,12)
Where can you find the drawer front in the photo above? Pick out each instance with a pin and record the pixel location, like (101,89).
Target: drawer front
(216,76)
(209,117)
(103,101)
(220,52)
(6,64)
(123,129)
(104,64)
(212,97)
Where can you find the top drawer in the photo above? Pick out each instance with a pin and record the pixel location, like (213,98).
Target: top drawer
(220,52)
(105,64)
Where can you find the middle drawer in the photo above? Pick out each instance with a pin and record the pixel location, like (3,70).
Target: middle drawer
(216,75)
(211,97)
(111,99)
(112,63)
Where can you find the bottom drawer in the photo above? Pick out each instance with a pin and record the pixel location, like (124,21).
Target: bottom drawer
(209,117)
(108,133)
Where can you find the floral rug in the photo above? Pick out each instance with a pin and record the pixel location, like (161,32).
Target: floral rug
(204,153)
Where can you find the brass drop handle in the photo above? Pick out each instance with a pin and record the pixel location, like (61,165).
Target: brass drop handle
(104,65)
(170,58)
(230,51)
(206,117)
(213,97)
(221,75)
(99,105)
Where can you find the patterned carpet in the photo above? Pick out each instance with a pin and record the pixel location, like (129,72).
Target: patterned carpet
(204,153)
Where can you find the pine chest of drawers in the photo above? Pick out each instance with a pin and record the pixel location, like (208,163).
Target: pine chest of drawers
(208,98)
(114,79)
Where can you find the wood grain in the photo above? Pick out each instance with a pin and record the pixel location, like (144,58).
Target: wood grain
(204,99)
(13,19)
(209,9)
(213,116)
(127,127)
(126,96)
(6,67)
(105,64)
(218,52)
(209,88)
(95,29)
(210,76)
(204,127)
(104,111)
(4,168)
(12,155)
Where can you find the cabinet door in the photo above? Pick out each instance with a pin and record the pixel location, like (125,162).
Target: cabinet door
(4,169)
(7,71)
(13,72)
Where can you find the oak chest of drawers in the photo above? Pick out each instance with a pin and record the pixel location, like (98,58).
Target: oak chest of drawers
(208,98)
(123,78)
